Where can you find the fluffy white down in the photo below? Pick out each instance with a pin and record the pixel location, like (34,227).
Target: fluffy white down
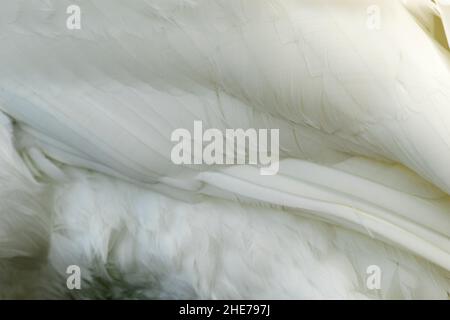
(135,243)
(85,170)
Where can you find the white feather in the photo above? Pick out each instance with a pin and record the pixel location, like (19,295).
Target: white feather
(363,117)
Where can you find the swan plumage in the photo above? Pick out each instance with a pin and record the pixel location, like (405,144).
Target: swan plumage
(364,140)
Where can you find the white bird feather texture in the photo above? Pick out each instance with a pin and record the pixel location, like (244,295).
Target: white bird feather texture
(364,124)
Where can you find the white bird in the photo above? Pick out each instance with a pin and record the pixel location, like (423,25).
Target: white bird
(360,91)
